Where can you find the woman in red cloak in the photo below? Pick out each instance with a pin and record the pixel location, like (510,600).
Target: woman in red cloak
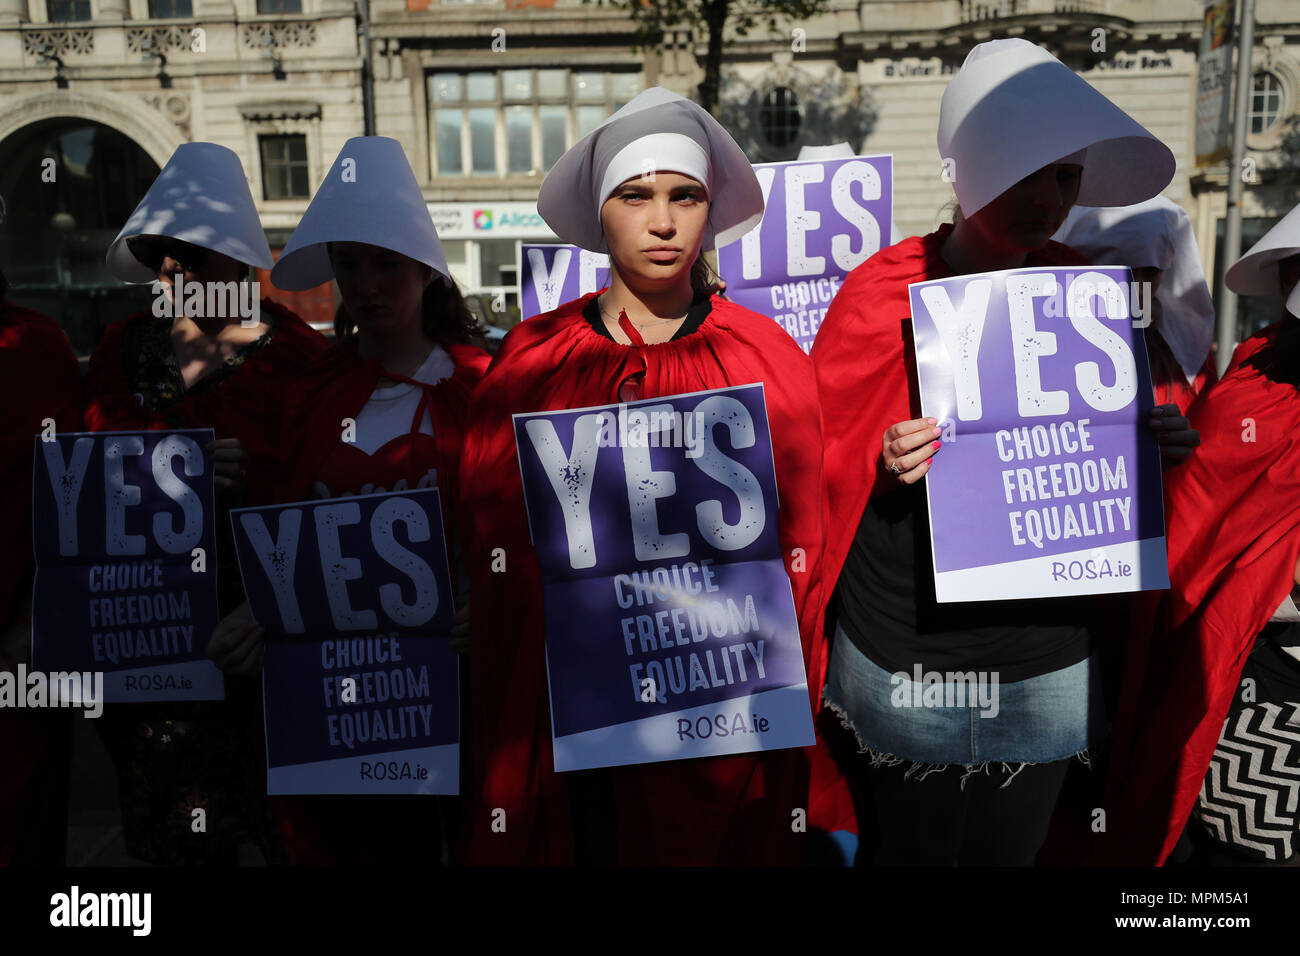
(1212,676)
(1025,138)
(40,380)
(226,371)
(402,373)
(651,185)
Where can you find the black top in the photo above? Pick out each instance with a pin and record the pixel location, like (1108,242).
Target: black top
(886,605)
(155,374)
(701,306)
(1276,673)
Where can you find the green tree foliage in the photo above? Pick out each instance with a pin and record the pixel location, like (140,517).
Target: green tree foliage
(711,18)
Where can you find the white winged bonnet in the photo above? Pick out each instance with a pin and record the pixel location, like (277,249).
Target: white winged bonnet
(200,197)
(1257,272)
(369,195)
(1157,233)
(1013,108)
(657,131)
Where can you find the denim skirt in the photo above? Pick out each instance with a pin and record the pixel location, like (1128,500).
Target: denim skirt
(967,718)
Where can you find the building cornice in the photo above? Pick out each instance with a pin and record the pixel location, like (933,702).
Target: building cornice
(435,27)
(1065,34)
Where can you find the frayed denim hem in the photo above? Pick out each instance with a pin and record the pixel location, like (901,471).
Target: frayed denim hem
(918,770)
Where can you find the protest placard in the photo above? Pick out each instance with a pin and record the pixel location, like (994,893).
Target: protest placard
(361,689)
(124,537)
(823,219)
(551,275)
(670,622)
(1048,481)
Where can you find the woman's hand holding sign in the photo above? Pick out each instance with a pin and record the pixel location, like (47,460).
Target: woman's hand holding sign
(229,466)
(460,630)
(1175,434)
(238,644)
(907,448)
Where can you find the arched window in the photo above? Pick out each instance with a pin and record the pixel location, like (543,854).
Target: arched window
(71,184)
(1265,102)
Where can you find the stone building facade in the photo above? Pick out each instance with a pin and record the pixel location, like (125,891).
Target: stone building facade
(868,72)
(484,95)
(95,95)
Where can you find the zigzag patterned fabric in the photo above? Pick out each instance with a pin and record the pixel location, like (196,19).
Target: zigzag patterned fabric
(1251,796)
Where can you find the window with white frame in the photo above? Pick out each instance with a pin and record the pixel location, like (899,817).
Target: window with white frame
(1265,102)
(518,121)
(779,116)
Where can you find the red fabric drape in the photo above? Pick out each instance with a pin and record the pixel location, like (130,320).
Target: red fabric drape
(1234,535)
(736,809)
(338,830)
(867,380)
(40,379)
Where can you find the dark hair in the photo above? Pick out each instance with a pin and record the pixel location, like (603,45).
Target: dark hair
(1279,360)
(4,285)
(444,317)
(703,278)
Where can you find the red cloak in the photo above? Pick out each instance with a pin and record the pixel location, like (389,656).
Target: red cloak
(338,387)
(1233,539)
(328,830)
(867,380)
(1171,385)
(40,379)
(247,405)
(736,809)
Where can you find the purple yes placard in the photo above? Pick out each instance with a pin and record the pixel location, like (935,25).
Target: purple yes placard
(550,275)
(360,688)
(125,543)
(1048,482)
(823,219)
(670,622)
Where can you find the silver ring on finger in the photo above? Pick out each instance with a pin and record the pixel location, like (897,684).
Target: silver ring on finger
(895,469)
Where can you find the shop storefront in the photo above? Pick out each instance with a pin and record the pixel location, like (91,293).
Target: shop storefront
(481,242)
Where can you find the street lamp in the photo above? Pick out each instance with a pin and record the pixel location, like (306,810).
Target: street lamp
(272,52)
(45,58)
(149,48)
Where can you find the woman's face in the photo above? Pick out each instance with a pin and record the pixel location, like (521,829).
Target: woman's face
(654,227)
(1024,217)
(171,257)
(381,289)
